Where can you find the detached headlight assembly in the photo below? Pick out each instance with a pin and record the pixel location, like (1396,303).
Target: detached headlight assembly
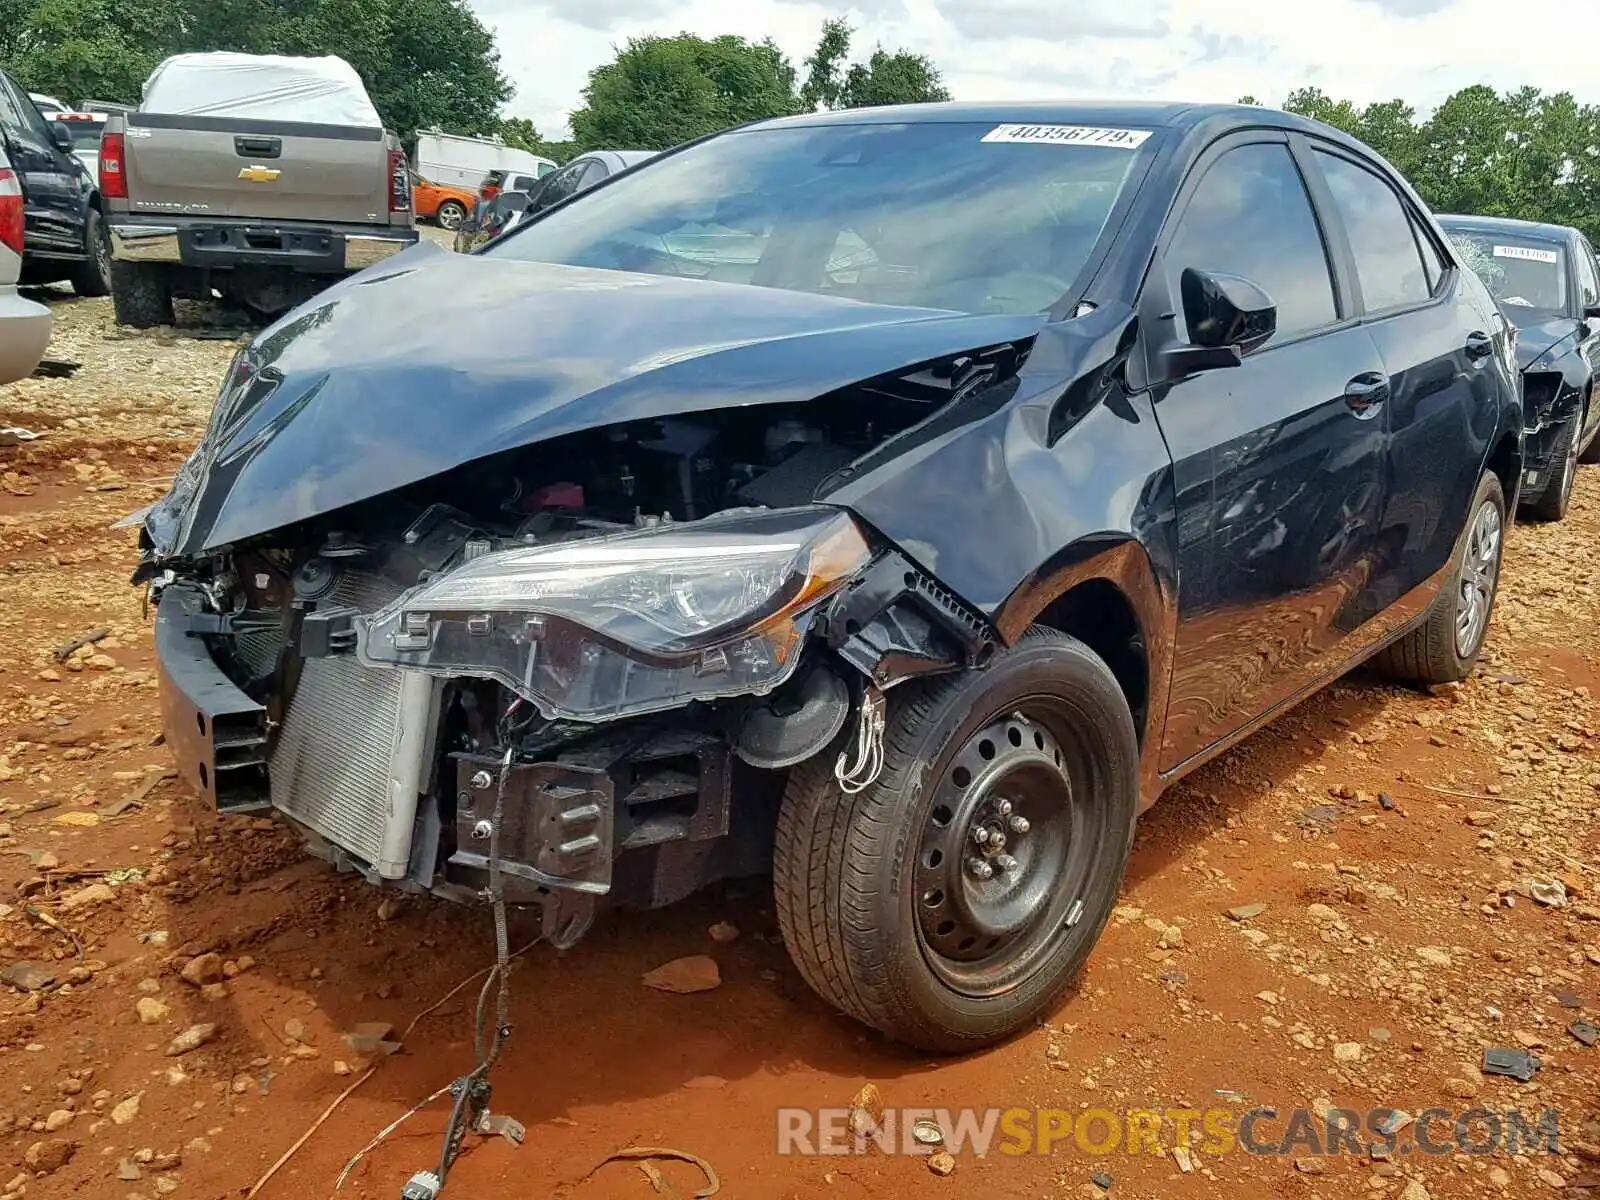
(630,623)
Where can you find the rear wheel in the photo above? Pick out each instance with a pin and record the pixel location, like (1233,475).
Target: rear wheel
(141,295)
(92,277)
(1445,647)
(1551,504)
(950,903)
(450,214)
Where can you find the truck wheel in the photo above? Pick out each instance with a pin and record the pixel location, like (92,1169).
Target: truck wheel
(92,277)
(1445,647)
(141,295)
(894,910)
(1551,504)
(450,214)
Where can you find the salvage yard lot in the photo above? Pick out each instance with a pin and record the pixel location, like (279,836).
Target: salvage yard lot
(1392,837)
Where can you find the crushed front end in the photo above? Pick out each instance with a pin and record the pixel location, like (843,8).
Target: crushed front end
(618,641)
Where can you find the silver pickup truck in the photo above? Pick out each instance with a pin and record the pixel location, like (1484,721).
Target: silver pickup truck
(263,212)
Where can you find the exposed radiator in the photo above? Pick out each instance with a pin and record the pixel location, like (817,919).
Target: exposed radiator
(354,749)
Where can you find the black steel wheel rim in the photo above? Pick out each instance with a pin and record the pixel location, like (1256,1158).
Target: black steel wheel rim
(1006,849)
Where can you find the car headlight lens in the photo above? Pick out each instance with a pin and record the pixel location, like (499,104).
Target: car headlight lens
(631,623)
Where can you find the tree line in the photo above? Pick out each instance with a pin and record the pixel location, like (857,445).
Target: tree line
(1523,153)
(433,63)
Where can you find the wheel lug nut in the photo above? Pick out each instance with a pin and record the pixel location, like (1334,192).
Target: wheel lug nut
(1003,807)
(1006,863)
(980,835)
(997,840)
(980,868)
(1018,824)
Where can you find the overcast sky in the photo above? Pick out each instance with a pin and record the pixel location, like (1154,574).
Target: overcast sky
(1421,50)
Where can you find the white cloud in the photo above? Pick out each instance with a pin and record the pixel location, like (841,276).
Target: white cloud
(1201,50)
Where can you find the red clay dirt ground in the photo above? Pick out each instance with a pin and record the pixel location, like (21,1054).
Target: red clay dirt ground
(1387,931)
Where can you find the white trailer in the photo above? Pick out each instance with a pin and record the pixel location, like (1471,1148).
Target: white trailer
(461,161)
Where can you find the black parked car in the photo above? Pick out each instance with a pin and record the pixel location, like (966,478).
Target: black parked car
(1546,280)
(902,498)
(65,235)
(582,173)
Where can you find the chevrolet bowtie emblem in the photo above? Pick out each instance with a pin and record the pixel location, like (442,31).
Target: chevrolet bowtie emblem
(259,174)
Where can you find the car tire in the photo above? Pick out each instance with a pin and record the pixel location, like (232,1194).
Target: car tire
(92,277)
(1445,647)
(450,215)
(877,896)
(141,295)
(1552,503)
(1590,454)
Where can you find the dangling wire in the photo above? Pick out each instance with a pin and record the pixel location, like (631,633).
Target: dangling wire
(869,747)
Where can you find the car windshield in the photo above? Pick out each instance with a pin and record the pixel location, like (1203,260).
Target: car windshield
(1528,275)
(961,216)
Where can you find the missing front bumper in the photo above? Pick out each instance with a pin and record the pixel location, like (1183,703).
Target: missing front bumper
(217,734)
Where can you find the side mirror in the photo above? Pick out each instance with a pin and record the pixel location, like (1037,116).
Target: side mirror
(61,136)
(1227,316)
(1592,311)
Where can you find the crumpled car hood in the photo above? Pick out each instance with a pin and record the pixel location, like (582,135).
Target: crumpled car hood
(1534,338)
(433,360)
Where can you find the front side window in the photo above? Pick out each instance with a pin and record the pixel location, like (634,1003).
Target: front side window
(961,216)
(1588,284)
(1527,275)
(1250,216)
(560,185)
(1388,262)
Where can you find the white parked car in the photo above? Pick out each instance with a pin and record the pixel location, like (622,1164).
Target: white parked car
(24,325)
(46,104)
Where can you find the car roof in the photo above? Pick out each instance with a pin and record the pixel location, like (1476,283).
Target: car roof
(1507,225)
(1141,113)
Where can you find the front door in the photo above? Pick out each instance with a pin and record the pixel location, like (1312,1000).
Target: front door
(1278,463)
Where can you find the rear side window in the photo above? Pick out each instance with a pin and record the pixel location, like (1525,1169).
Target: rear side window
(1388,261)
(1250,216)
(10,118)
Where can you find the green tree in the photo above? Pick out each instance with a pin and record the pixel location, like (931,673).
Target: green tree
(521,133)
(425,62)
(660,91)
(1523,153)
(887,77)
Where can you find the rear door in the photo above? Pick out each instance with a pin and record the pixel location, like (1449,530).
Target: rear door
(1437,350)
(52,184)
(264,170)
(1277,462)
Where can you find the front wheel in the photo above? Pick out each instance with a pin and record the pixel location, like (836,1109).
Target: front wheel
(950,903)
(1552,503)
(450,215)
(92,277)
(1445,647)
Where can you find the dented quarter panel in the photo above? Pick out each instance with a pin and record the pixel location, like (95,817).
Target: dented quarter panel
(1010,518)
(366,389)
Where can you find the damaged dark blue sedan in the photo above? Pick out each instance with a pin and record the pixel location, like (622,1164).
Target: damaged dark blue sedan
(1546,280)
(898,500)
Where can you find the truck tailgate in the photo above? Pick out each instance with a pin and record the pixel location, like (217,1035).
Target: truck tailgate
(264,170)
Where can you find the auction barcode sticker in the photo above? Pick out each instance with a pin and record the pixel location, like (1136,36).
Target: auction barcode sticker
(1069,135)
(1527,253)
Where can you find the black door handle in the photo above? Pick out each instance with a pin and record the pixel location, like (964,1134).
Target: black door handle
(258,147)
(1479,346)
(1366,392)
